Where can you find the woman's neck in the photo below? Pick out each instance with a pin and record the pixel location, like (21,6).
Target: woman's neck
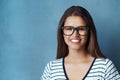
(78,56)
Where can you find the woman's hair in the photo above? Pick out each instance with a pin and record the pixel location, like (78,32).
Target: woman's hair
(91,45)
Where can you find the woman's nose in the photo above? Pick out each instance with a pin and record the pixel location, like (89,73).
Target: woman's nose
(76,33)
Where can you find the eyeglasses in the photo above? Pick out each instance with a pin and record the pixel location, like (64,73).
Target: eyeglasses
(69,30)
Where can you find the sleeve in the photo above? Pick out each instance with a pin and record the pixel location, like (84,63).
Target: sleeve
(111,72)
(46,73)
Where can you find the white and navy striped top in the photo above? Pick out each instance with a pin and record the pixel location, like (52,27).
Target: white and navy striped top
(101,69)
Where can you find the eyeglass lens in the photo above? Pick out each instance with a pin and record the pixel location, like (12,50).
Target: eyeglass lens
(69,30)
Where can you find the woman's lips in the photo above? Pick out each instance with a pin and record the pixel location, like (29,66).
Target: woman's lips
(75,40)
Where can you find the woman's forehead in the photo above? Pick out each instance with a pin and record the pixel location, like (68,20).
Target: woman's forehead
(75,21)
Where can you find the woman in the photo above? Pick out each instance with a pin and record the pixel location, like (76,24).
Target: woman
(78,53)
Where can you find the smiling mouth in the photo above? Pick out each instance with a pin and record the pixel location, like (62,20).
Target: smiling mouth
(75,41)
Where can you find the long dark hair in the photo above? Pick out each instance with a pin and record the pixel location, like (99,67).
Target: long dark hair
(91,46)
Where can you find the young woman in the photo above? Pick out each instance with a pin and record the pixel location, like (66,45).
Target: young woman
(78,53)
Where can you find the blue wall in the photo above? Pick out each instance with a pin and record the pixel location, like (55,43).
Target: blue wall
(28,33)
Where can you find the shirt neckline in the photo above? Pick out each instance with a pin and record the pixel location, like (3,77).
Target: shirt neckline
(63,63)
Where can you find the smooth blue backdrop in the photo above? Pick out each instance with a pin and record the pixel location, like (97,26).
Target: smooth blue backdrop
(28,30)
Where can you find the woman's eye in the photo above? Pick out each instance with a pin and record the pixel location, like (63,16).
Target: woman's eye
(82,28)
(68,28)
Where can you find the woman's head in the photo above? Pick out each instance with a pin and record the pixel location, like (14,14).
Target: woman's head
(77,13)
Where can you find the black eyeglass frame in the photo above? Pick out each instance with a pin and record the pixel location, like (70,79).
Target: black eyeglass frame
(75,28)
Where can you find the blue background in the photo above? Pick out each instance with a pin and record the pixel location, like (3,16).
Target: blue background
(28,32)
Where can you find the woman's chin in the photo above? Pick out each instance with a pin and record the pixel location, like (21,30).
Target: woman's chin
(75,47)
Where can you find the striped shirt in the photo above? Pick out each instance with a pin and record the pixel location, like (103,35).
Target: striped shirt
(101,69)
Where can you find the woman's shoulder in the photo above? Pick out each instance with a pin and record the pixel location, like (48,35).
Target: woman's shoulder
(104,61)
(110,70)
(55,62)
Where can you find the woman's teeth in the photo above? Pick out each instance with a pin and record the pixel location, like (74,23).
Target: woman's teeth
(75,40)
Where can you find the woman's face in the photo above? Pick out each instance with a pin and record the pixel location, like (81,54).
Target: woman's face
(75,39)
